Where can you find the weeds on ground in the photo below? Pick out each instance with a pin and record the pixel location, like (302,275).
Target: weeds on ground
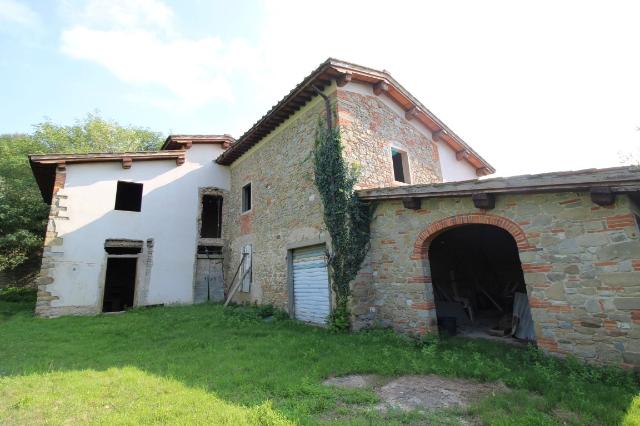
(242,360)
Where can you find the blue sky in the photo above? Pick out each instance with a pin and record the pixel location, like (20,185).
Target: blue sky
(531,86)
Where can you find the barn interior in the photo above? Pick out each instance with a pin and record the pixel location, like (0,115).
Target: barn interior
(478,284)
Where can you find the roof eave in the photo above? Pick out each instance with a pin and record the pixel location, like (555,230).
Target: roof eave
(335,69)
(618,179)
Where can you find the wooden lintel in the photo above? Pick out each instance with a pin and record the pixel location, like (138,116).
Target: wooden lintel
(412,203)
(436,135)
(126,162)
(379,87)
(344,78)
(482,171)
(603,196)
(462,155)
(484,200)
(410,114)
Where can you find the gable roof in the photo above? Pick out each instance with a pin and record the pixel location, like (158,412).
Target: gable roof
(344,72)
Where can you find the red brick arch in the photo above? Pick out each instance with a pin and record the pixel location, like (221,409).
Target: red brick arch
(421,246)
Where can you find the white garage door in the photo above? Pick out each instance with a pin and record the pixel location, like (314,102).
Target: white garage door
(311,285)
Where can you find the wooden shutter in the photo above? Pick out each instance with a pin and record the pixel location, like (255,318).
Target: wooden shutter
(246,266)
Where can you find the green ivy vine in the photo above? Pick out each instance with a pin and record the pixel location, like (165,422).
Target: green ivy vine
(347,218)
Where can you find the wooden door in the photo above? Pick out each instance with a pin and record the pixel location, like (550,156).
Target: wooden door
(209,286)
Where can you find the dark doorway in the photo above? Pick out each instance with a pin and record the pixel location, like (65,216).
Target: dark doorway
(120,284)
(211,217)
(478,283)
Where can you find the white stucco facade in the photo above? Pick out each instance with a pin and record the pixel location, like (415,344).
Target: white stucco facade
(167,225)
(454,170)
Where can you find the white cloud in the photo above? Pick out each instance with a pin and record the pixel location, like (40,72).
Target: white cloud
(19,13)
(127,14)
(532,87)
(136,42)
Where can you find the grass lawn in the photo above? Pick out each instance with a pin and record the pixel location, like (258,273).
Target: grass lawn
(207,364)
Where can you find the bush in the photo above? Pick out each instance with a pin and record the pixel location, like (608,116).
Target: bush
(18,295)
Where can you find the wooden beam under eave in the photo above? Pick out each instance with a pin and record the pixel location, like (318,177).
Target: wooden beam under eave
(603,196)
(180,160)
(462,155)
(412,113)
(437,135)
(412,203)
(482,171)
(344,79)
(484,200)
(126,162)
(380,87)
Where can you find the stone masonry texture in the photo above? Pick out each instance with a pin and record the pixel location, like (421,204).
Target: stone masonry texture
(369,128)
(581,264)
(287,210)
(286,206)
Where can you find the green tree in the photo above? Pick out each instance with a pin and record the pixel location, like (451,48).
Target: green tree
(23,214)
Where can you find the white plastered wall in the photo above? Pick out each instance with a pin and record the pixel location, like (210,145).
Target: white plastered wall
(168,215)
(452,169)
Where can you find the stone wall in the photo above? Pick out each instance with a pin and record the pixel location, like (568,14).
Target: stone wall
(581,264)
(52,249)
(287,210)
(369,128)
(286,207)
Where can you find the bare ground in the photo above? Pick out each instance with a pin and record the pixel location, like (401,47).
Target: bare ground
(424,393)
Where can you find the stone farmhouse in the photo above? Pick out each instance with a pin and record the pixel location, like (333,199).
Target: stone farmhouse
(552,258)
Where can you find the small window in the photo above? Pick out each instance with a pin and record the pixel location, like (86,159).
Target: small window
(211,217)
(400,166)
(246,198)
(129,196)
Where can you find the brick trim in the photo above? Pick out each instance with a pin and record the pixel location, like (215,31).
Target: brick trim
(421,246)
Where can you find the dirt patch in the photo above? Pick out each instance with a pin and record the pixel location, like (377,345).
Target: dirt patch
(354,381)
(425,393)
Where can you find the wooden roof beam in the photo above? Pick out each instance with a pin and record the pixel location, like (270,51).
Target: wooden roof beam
(482,171)
(344,78)
(603,196)
(484,200)
(380,87)
(411,113)
(462,155)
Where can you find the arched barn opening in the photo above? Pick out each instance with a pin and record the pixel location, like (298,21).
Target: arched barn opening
(478,283)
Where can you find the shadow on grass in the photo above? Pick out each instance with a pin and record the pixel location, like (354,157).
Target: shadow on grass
(241,359)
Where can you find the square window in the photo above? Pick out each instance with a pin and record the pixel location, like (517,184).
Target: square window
(246,198)
(400,165)
(129,196)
